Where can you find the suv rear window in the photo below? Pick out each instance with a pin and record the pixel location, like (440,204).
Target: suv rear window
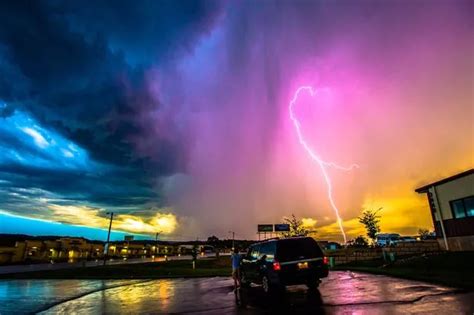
(268,249)
(298,248)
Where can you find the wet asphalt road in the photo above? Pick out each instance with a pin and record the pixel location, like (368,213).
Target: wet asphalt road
(341,293)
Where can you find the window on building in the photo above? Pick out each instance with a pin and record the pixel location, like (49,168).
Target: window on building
(462,208)
(469,204)
(458,209)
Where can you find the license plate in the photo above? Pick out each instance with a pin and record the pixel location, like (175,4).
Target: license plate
(303,265)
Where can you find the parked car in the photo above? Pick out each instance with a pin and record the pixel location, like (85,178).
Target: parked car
(406,239)
(277,263)
(387,239)
(208,249)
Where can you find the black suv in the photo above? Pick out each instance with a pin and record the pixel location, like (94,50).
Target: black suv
(276,263)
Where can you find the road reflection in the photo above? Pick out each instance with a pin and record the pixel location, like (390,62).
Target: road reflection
(340,293)
(138,298)
(165,292)
(294,299)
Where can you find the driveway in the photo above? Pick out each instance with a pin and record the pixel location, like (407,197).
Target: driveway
(341,293)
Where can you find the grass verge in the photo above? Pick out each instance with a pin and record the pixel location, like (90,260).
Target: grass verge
(155,270)
(454,269)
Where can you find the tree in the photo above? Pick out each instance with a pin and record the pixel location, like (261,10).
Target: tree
(195,252)
(359,241)
(296,227)
(213,240)
(423,233)
(371,221)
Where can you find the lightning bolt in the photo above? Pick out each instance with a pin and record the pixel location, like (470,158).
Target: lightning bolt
(322,164)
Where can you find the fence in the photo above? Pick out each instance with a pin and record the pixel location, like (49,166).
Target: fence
(347,255)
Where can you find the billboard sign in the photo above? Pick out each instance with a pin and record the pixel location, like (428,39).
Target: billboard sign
(265,227)
(129,238)
(282,227)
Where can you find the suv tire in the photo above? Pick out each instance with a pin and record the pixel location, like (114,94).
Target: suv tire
(271,289)
(244,283)
(266,285)
(313,284)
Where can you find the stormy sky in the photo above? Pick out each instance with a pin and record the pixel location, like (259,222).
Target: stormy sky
(174,114)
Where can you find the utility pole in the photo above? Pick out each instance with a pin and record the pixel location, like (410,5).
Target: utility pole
(233,239)
(156,240)
(106,254)
(194,253)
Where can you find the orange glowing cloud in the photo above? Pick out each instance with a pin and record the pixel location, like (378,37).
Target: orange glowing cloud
(163,221)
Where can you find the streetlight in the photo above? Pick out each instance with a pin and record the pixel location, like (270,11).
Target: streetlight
(233,239)
(156,240)
(108,236)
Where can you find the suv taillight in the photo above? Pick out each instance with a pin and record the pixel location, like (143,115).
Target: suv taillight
(276,266)
(325,260)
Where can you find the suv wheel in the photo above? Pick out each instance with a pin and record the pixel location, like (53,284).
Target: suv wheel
(272,289)
(243,281)
(313,284)
(266,284)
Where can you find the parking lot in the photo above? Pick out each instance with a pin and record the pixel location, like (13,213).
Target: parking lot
(340,293)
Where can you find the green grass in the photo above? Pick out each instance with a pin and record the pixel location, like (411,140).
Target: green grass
(453,269)
(156,270)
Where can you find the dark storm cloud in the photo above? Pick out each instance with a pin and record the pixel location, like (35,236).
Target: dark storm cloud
(144,30)
(79,69)
(77,83)
(116,189)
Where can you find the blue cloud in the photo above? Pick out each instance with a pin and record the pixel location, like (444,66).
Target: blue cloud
(40,166)
(25,142)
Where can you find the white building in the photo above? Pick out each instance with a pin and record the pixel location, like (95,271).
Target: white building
(451,202)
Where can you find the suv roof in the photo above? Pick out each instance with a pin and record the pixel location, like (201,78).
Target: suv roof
(280,239)
(295,248)
(290,248)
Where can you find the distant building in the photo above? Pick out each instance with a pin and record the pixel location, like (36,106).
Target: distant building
(19,248)
(451,202)
(11,251)
(387,239)
(327,245)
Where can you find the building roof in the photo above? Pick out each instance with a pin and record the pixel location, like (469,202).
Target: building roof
(425,188)
(24,237)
